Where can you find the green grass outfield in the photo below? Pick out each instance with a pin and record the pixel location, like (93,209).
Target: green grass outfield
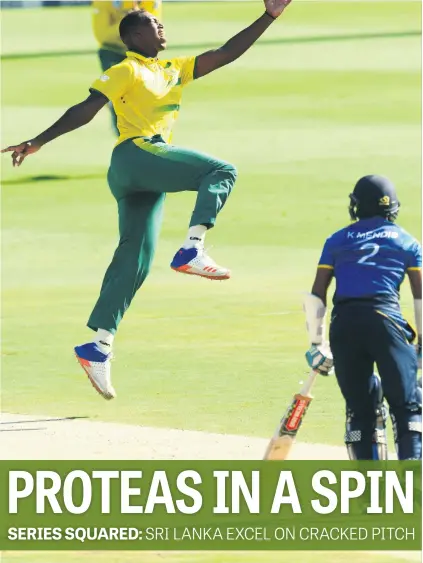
(331,93)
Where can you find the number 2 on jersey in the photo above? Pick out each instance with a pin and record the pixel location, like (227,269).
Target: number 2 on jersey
(374,249)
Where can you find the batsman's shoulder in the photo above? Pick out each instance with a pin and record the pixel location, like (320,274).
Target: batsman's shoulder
(408,239)
(337,237)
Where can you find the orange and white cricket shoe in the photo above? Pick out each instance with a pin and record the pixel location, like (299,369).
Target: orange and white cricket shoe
(97,366)
(196,262)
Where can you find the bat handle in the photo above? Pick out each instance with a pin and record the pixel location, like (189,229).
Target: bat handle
(306,388)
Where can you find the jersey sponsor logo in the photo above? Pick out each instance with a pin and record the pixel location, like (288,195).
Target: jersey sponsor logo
(104,78)
(172,76)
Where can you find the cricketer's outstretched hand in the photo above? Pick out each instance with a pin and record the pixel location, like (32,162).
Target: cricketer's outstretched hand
(275,7)
(20,152)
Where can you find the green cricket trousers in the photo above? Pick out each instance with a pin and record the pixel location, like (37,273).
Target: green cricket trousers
(142,171)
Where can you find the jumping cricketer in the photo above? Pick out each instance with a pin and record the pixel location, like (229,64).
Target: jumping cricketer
(146,95)
(369,260)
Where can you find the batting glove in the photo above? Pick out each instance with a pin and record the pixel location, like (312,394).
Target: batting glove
(320,358)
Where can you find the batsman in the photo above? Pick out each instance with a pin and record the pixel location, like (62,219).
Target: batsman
(369,260)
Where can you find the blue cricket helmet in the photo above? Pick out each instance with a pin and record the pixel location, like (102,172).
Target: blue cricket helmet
(374,196)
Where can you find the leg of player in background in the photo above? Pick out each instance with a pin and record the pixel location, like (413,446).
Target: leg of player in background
(107,59)
(380,442)
(353,369)
(140,217)
(397,364)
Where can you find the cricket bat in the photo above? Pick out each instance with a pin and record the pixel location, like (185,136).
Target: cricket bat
(284,437)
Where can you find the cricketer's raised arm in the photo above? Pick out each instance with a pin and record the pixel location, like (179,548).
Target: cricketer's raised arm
(75,117)
(216,58)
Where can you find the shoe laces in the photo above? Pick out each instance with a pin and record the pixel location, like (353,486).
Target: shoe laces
(207,258)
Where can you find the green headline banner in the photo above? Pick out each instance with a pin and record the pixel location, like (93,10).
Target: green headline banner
(210,505)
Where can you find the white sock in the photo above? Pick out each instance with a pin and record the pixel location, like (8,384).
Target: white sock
(104,340)
(195,237)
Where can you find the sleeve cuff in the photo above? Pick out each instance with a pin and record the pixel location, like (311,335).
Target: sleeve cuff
(95,91)
(194,72)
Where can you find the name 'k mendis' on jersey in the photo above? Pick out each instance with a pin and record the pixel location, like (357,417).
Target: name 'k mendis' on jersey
(369,259)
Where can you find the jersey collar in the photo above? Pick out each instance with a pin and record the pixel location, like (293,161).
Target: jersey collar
(140,57)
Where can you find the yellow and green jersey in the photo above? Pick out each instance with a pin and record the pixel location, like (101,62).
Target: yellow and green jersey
(146,93)
(107,15)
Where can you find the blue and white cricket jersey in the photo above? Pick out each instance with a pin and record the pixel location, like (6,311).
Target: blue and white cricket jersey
(369,259)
